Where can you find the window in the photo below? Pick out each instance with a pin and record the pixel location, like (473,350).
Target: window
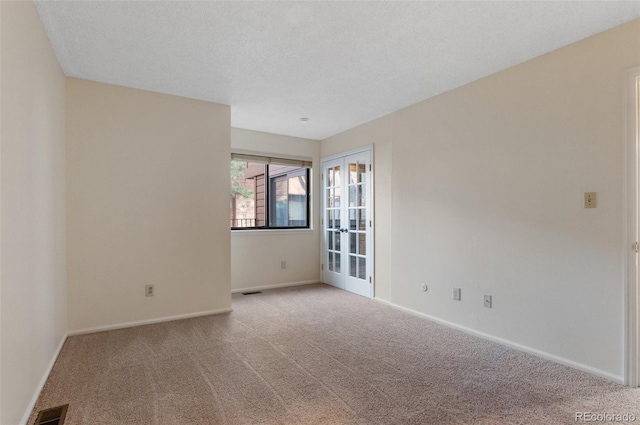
(269,193)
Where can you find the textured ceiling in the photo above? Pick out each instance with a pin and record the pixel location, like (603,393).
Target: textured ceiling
(338,63)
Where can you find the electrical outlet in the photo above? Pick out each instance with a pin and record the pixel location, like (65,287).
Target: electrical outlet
(283,265)
(590,199)
(487,301)
(149,291)
(457,292)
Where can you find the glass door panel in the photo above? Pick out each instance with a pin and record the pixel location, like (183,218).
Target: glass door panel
(332,194)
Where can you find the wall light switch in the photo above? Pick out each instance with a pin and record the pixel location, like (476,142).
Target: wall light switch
(456,294)
(488,302)
(590,199)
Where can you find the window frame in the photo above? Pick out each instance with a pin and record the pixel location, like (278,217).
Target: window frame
(267,197)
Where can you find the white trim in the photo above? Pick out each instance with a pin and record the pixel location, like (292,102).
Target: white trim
(511,344)
(43,380)
(148,321)
(274,286)
(347,153)
(371,257)
(631,336)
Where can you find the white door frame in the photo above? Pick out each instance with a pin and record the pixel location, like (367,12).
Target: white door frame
(632,290)
(370,258)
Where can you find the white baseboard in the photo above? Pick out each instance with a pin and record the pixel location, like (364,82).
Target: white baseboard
(274,286)
(43,380)
(147,321)
(515,345)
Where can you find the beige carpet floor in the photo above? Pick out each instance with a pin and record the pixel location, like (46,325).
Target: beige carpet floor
(315,355)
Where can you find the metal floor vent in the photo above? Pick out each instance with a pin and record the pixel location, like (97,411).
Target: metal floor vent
(251,293)
(53,416)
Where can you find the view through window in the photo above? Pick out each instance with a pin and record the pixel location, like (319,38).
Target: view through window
(269,195)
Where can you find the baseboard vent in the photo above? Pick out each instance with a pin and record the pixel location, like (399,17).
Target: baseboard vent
(53,416)
(251,293)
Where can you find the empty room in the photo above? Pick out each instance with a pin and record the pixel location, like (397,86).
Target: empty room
(331,212)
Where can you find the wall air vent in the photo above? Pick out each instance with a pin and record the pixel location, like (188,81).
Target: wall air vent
(53,416)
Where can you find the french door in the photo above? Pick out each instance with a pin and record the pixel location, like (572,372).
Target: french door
(347,223)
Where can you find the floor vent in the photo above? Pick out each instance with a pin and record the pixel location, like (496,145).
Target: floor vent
(251,293)
(53,416)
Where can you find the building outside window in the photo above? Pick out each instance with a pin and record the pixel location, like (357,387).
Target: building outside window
(269,193)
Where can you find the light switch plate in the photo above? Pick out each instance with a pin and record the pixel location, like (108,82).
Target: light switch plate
(456,294)
(488,301)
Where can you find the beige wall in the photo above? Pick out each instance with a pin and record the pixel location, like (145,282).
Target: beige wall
(482,188)
(147,203)
(256,254)
(33,257)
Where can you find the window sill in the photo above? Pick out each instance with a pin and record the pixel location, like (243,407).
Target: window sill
(266,232)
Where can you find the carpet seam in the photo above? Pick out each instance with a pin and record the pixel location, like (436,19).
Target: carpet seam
(214,392)
(325,386)
(268,384)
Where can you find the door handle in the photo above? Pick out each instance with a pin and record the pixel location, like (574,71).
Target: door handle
(344,230)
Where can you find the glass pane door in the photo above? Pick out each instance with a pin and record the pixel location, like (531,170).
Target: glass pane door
(358,229)
(332,234)
(357,220)
(347,223)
